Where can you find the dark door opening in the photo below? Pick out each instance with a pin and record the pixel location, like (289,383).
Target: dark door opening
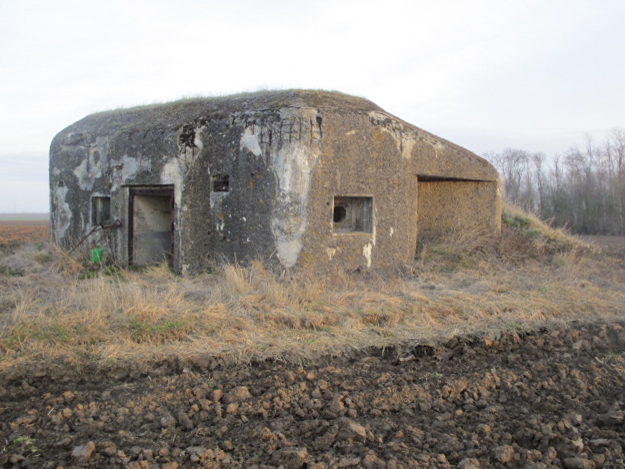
(151,225)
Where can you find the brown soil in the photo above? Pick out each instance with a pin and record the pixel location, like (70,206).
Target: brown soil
(13,233)
(552,398)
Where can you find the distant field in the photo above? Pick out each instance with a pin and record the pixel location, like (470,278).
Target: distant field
(24,217)
(16,228)
(614,245)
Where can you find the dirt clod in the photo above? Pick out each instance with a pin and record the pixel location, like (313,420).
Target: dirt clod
(504,454)
(463,405)
(351,431)
(238,394)
(83,452)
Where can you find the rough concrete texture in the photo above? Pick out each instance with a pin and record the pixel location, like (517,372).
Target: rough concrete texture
(257,176)
(449,205)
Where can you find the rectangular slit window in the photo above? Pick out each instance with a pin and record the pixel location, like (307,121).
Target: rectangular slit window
(100,210)
(221,183)
(352,215)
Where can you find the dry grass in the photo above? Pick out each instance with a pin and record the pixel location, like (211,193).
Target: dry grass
(468,283)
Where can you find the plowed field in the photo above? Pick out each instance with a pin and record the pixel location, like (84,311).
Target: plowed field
(549,399)
(13,233)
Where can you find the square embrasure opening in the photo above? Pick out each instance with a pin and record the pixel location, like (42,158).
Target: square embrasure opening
(221,183)
(352,214)
(100,210)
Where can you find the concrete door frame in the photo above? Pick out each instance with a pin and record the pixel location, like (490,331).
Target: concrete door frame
(160,191)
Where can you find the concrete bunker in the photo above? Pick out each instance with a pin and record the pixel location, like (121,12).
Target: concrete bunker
(290,177)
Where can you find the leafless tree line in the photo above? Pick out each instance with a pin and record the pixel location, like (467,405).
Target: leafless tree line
(583,189)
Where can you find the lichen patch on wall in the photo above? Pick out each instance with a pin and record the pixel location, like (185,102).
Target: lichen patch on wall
(62,214)
(197,141)
(292,165)
(367,249)
(126,168)
(330,252)
(88,171)
(216,198)
(172,174)
(249,141)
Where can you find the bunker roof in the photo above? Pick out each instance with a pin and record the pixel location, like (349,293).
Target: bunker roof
(178,113)
(447,160)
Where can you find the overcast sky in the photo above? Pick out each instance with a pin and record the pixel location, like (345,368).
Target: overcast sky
(486,74)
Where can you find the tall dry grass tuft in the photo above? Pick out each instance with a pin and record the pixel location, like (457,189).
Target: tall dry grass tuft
(64,263)
(465,282)
(468,240)
(237,278)
(530,236)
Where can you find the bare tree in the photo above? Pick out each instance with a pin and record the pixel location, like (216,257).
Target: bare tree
(583,189)
(615,163)
(538,159)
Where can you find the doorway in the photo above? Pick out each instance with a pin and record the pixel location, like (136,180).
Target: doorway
(151,225)
(450,205)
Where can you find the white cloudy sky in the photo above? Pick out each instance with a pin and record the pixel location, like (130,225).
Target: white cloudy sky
(486,74)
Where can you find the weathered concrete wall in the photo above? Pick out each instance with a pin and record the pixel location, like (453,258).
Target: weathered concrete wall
(447,205)
(360,159)
(234,221)
(87,161)
(288,143)
(266,157)
(258,176)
